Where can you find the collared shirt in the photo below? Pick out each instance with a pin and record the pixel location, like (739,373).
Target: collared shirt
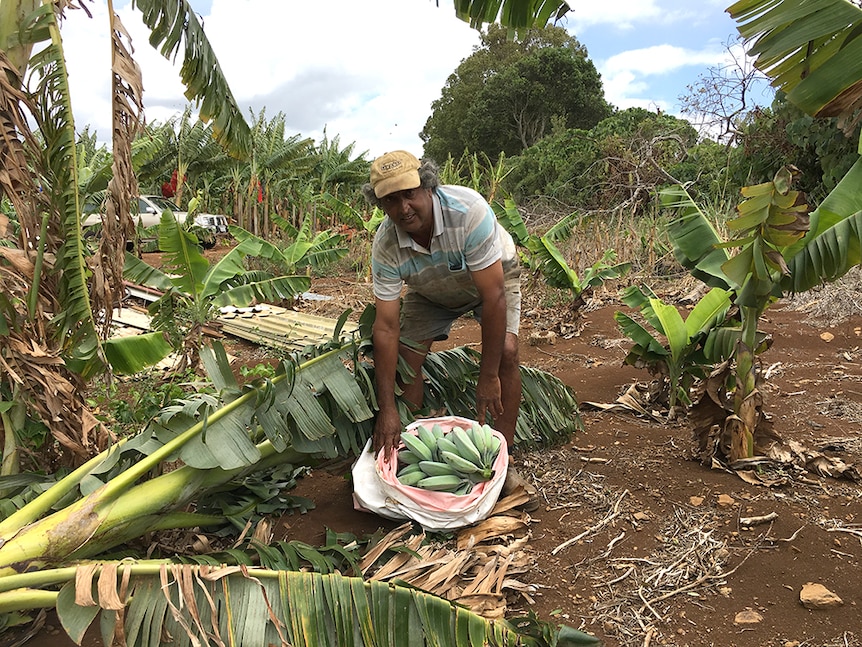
(466,238)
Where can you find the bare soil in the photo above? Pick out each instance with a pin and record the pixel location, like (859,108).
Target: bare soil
(634,541)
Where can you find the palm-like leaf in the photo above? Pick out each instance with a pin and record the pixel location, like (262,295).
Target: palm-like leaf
(553,266)
(174,24)
(511,219)
(75,321)
(549,410)
(811,48)
(132,354)
(696,243)
(833,244)
(515,14)
(264,607)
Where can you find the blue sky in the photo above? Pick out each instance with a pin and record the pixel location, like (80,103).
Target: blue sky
(367,71)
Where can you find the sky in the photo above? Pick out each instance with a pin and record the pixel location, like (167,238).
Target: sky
(368,71)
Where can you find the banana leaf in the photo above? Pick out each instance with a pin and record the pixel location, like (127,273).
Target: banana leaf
(833,244)
(812,49)
(696,243)
(194,605)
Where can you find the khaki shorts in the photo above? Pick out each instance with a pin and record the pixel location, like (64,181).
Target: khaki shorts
(423,319)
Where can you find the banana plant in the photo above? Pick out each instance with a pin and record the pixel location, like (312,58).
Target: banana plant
(348,215)
(783,250)
(321,407)
(544,257)
(307,249)
(193,290)
(681,358)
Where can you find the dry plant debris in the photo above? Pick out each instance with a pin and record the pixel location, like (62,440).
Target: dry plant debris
(478,567)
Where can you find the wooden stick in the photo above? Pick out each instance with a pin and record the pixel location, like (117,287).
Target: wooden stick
(598,526)
(754,521)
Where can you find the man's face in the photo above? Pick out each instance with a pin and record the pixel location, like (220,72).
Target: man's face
(410,209)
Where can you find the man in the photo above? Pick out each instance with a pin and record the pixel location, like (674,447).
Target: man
(445,244)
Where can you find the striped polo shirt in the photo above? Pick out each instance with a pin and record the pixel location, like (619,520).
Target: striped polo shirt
(467,237)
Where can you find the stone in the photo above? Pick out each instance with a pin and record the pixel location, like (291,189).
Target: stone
(817,596)
(542,337)
(747,617)
(725,500)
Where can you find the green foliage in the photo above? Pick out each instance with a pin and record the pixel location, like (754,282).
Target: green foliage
(544,257)
(681,357)
(502,98)
(260,370)
(620,161)
(307,250)
(265,493)
(127,406)
(782,135)
(193,290)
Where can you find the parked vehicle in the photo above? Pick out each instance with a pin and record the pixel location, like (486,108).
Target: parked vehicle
(150,208)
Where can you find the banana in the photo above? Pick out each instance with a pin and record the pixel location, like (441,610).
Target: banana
(464,488)
(466,448)
(444,444)
(477,435)
(436,468)
(437,430)
(411,479)
(415,445)
(428,437)
(410,469)
(406,457)
(460,463)
(493,448)
(444,483)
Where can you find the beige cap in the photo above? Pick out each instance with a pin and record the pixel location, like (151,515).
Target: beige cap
(394,171)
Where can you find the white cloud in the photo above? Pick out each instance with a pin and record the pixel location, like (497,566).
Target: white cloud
(626,76)
(367,71)
(619,14)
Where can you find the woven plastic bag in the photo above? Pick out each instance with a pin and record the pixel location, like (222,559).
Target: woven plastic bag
(377,489)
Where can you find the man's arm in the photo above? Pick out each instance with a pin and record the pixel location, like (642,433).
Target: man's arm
(491,287)
(385,337)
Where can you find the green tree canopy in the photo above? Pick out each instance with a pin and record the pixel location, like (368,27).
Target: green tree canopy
(783,134)
(503,97)
(618,161)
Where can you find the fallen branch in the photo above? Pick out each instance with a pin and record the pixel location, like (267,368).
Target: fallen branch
(754,521)
(604,522)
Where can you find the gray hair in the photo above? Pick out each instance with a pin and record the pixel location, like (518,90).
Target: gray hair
(429,178)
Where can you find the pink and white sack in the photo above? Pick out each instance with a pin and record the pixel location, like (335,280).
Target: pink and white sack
(377,489)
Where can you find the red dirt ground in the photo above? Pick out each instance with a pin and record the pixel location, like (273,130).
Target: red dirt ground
(664,558)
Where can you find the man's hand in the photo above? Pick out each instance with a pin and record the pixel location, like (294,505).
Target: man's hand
(488,398)
(387,432)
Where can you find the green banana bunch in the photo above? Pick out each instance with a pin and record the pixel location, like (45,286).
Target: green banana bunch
(448,462)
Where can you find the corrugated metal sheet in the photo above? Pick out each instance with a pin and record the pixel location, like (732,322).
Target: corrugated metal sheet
(263,324)
(279,327)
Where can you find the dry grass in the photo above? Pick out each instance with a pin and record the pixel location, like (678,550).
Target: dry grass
(833,302)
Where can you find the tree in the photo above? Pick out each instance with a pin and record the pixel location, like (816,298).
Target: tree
(619,161)
(782,134)
(515,107)
(718,103)
(505,93)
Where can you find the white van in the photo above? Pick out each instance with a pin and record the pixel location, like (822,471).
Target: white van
(149,213)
